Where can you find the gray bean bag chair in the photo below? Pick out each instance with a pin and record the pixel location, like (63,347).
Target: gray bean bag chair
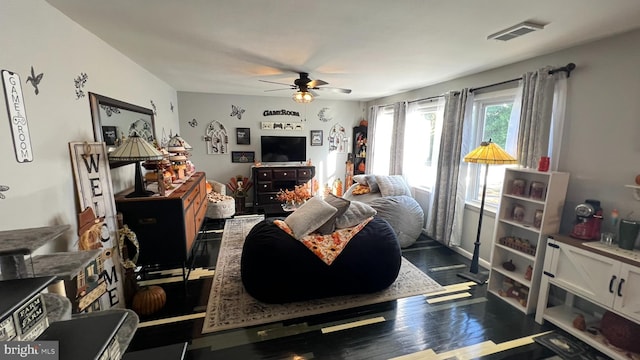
(391,197)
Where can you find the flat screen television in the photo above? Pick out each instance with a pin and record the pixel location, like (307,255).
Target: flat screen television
(283,148)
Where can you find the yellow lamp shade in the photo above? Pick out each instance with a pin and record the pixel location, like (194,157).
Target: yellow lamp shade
(489,153)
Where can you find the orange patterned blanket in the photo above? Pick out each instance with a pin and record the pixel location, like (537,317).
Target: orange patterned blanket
(326,247)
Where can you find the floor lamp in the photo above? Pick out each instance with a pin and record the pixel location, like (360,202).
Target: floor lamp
(487,153)
(136,149)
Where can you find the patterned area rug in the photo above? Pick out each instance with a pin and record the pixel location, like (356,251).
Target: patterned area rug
(230,307)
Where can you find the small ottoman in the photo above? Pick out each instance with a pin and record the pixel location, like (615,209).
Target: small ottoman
(277,268)
(221,209)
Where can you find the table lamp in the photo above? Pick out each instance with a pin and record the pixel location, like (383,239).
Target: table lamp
(136,149)
(487,153)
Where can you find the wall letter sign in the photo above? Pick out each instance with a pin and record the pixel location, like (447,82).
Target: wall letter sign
(93,183)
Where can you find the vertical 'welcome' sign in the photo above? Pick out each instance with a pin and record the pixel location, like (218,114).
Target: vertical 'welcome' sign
(93,183)
(17,116)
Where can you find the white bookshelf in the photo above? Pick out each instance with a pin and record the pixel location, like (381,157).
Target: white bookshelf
(550,203)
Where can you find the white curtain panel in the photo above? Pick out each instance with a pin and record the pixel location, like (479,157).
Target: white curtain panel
(557,119)
(371,130)
(442,213)
(397,138)
(535,118)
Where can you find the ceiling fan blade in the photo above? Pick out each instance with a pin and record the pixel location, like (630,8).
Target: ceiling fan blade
(278,89)
(279,83)
(315,94)
(315,83)
(333,89)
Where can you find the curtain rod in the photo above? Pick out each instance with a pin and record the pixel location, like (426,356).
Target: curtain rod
(568,68)
(416,100)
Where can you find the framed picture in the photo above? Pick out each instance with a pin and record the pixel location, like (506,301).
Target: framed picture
(110,134)
(243,136)
(316,137)
(243,156)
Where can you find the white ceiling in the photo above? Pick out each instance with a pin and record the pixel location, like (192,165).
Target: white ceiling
(375,47)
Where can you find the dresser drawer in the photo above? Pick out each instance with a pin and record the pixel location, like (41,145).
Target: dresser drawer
(304,174)
(284,174)
(192,196)
(267,199)
(264,186)
(263,174)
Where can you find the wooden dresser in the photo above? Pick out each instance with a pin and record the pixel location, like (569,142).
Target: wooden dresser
(166,226)
(268,180)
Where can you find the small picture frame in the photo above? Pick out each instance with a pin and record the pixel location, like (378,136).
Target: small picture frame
(243,156)
(316,137)
(110,134)
(243,136)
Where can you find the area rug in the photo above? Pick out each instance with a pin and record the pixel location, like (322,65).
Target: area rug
(230,307)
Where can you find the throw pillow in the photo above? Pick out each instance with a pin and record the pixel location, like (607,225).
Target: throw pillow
(341,205)
(373,183)
(393,185)
(309,217)
(355,214)
(367,180)
(360,179)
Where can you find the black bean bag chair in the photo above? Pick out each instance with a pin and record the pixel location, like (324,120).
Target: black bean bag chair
(277,268)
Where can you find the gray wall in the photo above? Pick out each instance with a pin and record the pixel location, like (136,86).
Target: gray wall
(600,147)
(206,108)
(35,34)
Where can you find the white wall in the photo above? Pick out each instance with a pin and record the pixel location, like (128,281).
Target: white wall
(206,108)
(600,147)
(36,34)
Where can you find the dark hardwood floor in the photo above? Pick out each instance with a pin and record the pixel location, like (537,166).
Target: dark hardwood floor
(418,327)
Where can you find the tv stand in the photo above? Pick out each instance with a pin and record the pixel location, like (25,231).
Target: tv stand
(269,180)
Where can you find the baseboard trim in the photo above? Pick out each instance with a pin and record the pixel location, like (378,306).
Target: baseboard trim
(484,263)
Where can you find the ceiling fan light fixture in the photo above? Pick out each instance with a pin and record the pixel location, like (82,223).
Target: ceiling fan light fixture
(303,97)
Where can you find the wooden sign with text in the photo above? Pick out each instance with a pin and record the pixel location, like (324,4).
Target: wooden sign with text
(93,184)
(17,116)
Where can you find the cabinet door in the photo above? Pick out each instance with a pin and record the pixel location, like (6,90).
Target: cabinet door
(585,273)
(627,300)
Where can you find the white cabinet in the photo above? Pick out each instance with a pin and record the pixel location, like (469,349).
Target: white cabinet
(530,209)
(593,282)
(627,302)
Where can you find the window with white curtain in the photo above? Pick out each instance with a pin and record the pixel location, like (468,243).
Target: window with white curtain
(423,128)
(382,141)
(493,119)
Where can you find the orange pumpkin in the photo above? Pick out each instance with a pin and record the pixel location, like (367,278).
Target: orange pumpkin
(148,300)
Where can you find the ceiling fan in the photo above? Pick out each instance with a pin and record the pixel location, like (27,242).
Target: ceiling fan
(304,88)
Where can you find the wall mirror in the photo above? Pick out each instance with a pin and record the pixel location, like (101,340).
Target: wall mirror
(114,119)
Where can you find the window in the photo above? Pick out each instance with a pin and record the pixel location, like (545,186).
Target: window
(492,119)
(423,128)
(382,141)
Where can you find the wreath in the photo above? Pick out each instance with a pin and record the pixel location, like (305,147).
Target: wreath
(126,234)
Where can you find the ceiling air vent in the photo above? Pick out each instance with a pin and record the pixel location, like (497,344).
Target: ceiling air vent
(515,31)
